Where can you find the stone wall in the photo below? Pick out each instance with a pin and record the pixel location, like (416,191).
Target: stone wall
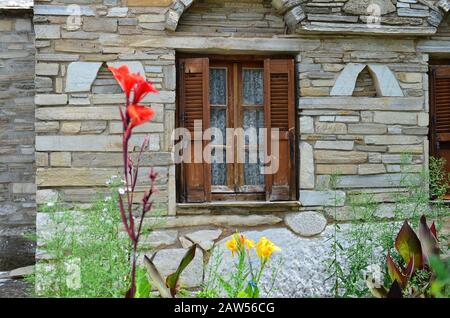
(249,17)
(362,102)
(360,138)
(17,176)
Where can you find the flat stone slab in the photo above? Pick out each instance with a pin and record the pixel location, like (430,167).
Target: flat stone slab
(10,288)
(325,198)
(307,223)
(133,66)
(204,238)
(367,7)
(81,75)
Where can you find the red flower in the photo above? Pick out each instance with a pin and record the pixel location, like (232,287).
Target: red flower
(139,115)
(141,90)
(126,79)
(132,82)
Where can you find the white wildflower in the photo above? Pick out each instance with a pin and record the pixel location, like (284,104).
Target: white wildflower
(121,191)
(373,276)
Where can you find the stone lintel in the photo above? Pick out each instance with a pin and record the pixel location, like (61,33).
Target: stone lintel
(364,29)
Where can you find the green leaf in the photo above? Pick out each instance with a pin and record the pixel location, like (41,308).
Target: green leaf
(430,246)
(394,272)
(156,278)
(408,245)
(243,294)
(172,279)
(143,286)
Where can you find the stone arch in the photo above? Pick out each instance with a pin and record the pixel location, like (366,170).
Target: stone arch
(384,79)
(291,10)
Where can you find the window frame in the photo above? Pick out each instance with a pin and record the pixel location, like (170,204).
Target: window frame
(235,65)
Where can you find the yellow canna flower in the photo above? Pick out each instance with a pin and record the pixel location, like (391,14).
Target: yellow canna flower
(265,248)
(232,246)
(246,242)
(239,243)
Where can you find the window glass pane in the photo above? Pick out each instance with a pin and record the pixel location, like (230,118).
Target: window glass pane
(252,169)
(253,84)
(254,140)
(218,86)
(219,121)
(253,121)
(218,167)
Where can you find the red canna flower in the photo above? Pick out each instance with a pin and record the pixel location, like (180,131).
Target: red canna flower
(141,90)
(139,115)
(126,79)
(132,82)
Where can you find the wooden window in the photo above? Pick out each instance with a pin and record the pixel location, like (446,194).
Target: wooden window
(229,94)
(440,113)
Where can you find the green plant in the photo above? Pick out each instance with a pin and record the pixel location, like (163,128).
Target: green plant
(169,287)
(244,280)
(334,268)
(211,287)
(87,254)
(440,287)
(369,234)
(439,178)
(414,276)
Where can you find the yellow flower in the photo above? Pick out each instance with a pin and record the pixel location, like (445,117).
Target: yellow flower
(265,248)
(239,243)
(246,242)
(232,246)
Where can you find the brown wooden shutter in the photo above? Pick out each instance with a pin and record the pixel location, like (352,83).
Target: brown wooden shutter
(279,110)
(440,112)
(194,106)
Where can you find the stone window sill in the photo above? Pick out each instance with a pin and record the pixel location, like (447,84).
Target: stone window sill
(237,207)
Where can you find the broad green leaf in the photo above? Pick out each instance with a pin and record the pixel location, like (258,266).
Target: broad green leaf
(156,278)
(428,241)
(394,272)
(408,245)
(172,279)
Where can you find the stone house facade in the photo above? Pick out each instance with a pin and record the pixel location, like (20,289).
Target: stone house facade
(351,78)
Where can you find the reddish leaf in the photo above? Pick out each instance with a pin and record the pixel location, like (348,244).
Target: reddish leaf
(394,272)
(409,269)
(408,245)
(428,240)
(395,291)
(433,230)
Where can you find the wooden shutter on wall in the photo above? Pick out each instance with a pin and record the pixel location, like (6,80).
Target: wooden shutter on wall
(440,112)
(279,110)
(194,106)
